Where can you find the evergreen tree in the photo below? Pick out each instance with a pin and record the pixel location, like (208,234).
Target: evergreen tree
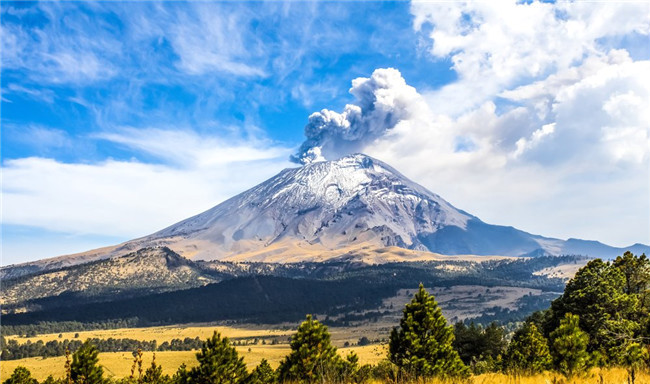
(634,356)
(51,380)
(182,375)
(597,295)
(351,372)
(636,271)
(84,368)
(21,375)
(528,351)
(422,346)
(569,347)
(218,363)
(481,348)
(468,341)
(154,375)
(313,357)
(263,374)
(495,341)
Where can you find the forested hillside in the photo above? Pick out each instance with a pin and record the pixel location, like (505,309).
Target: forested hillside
(600,323)
(257,292)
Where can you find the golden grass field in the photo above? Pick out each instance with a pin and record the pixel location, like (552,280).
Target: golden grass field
(162,334)
(249,333)
(118,364)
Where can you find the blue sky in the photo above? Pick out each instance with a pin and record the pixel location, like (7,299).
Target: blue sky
(119,119)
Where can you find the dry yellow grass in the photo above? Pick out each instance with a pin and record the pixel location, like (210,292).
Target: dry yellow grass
(609,376)
(118,364)
(166,333)
(161,334)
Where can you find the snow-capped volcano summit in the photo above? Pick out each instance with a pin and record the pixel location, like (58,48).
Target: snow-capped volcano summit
(329,204)
(311,212)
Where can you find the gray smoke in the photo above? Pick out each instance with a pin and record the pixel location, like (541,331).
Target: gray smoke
(383,100)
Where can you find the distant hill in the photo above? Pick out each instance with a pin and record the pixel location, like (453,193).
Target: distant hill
(271,293)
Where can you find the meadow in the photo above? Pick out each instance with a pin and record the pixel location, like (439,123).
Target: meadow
(118,364)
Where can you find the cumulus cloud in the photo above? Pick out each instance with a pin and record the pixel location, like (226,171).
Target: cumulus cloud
(493,48)
(548,114)
(524,144)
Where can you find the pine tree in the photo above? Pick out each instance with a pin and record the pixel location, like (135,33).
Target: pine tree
(263,374)
(634,356)
(528,351)
(218,363)
(597,295)
(68,373)
(21,375)
(313,358)
(636,270)
(182,375)
(423,344)
(569,347)
(480,348)
(351,372)
(51,380)
(84,368)
(154,375)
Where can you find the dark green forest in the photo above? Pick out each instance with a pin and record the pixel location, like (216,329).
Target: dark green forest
(273,294)
(602,319)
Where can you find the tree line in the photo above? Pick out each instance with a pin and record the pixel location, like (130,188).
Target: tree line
(31,330)
(12,350)
(601,319)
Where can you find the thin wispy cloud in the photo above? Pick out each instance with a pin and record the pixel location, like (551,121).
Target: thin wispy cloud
(189,149)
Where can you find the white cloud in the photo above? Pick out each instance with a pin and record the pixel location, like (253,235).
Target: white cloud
(523,144)
(129,198)
(189,149)
(45,95)
(94,204)
(121,198)
(208,39)
(495,47)
(72,48)
(58,52)
(545,170)
(37,136)
(546,127)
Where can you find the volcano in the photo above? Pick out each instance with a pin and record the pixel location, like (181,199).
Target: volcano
(356,205)
(356,202)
